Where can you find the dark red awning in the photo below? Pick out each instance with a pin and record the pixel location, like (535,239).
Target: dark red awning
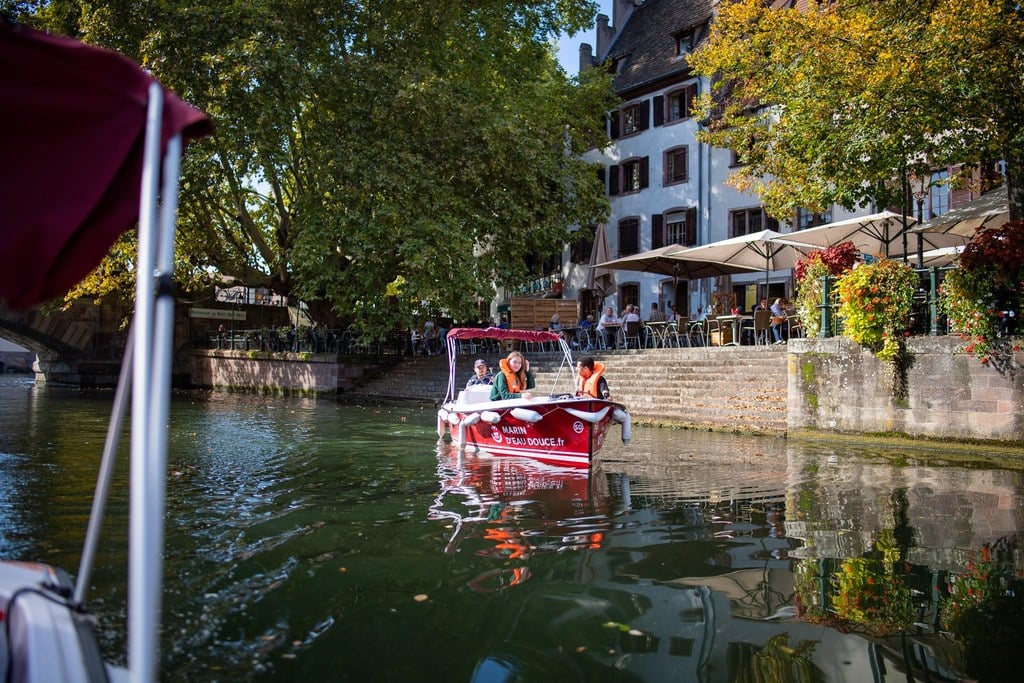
(73,118)
(499,333)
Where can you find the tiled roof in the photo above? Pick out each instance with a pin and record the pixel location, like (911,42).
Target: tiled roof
(646,45)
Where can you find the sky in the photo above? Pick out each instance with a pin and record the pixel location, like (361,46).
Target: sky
(569,48)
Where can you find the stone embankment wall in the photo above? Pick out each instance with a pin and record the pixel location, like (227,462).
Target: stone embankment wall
(288,373)
(827,385)
(733,387)
(835,385)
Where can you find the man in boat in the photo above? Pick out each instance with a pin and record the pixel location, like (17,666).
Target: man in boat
(515,379)
(590,379)
(481,375)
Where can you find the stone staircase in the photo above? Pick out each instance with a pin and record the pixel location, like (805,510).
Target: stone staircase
(742,388)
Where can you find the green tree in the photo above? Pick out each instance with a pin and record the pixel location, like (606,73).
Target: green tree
(836,102)
(368,156)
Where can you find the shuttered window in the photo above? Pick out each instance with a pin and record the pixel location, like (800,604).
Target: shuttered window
(677,165)
(629,236)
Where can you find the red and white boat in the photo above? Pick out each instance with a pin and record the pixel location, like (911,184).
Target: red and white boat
(558,428)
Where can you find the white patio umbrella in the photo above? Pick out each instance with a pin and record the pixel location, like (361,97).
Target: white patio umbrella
(872,234)
(945,256)
(765,251)
(668,261)
(990,209)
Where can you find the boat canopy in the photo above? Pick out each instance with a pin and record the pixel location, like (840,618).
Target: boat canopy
(536,336)
(499,333)
(75,118)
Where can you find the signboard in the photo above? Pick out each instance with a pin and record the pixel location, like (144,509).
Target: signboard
(216,314)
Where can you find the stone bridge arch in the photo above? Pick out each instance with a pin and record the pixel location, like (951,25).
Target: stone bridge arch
(81,345)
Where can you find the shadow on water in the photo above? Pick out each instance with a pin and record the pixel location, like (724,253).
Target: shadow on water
(313,541)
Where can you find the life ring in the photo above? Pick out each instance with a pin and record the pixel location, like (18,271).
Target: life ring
(622,417)
(592,418)
(527,415)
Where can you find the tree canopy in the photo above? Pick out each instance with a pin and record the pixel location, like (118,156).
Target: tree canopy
(373,157)
(835,102)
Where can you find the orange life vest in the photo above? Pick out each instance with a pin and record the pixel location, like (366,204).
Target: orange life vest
(511,378)
(588,386)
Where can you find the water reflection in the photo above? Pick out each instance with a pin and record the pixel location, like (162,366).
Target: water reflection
(312,541)
(521,507)
(696,567)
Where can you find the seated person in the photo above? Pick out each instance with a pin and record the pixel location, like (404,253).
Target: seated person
(630,315)
(608,326)
(515,379)
(481,375)
(555,325)
(586,333)
(590,380)
(778,309)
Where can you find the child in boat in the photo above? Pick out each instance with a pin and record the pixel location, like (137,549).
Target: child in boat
(515,379)
(590,379)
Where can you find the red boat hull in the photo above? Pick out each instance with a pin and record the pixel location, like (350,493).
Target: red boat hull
(567,431)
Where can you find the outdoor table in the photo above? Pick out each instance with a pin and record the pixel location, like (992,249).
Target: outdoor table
(656,330)
(736,320)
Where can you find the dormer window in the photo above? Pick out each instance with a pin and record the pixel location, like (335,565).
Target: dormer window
(684,43)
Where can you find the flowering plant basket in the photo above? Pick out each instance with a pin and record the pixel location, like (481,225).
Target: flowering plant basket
(809,270)
(985,295)
(877,300)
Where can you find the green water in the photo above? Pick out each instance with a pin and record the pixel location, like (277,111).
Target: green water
(310,540)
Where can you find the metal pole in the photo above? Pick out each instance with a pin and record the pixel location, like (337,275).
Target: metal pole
(920,236)
(933,300)
(826,307)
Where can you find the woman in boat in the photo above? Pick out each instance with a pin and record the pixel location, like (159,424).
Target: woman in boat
(515,379)
(590,379)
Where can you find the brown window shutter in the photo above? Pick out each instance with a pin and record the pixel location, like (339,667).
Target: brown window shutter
(659,110)
(691,226)
(657,230)
(645,115)
(691,98)
(615,125)
(613,180)
(644,171)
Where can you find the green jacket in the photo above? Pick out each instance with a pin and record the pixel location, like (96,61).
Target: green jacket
(499,390)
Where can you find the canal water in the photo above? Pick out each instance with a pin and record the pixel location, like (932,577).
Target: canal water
(308,540)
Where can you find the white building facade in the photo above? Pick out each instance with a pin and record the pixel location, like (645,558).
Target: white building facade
(664,186)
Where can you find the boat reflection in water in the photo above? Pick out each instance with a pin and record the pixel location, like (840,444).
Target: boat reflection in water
(678,573)
(519,507)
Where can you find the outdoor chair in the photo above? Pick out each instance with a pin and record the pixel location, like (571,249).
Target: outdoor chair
(695,333)
(631,334)
(713,331)
(672,337)
(588,339)
(762,323)
(796,326)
